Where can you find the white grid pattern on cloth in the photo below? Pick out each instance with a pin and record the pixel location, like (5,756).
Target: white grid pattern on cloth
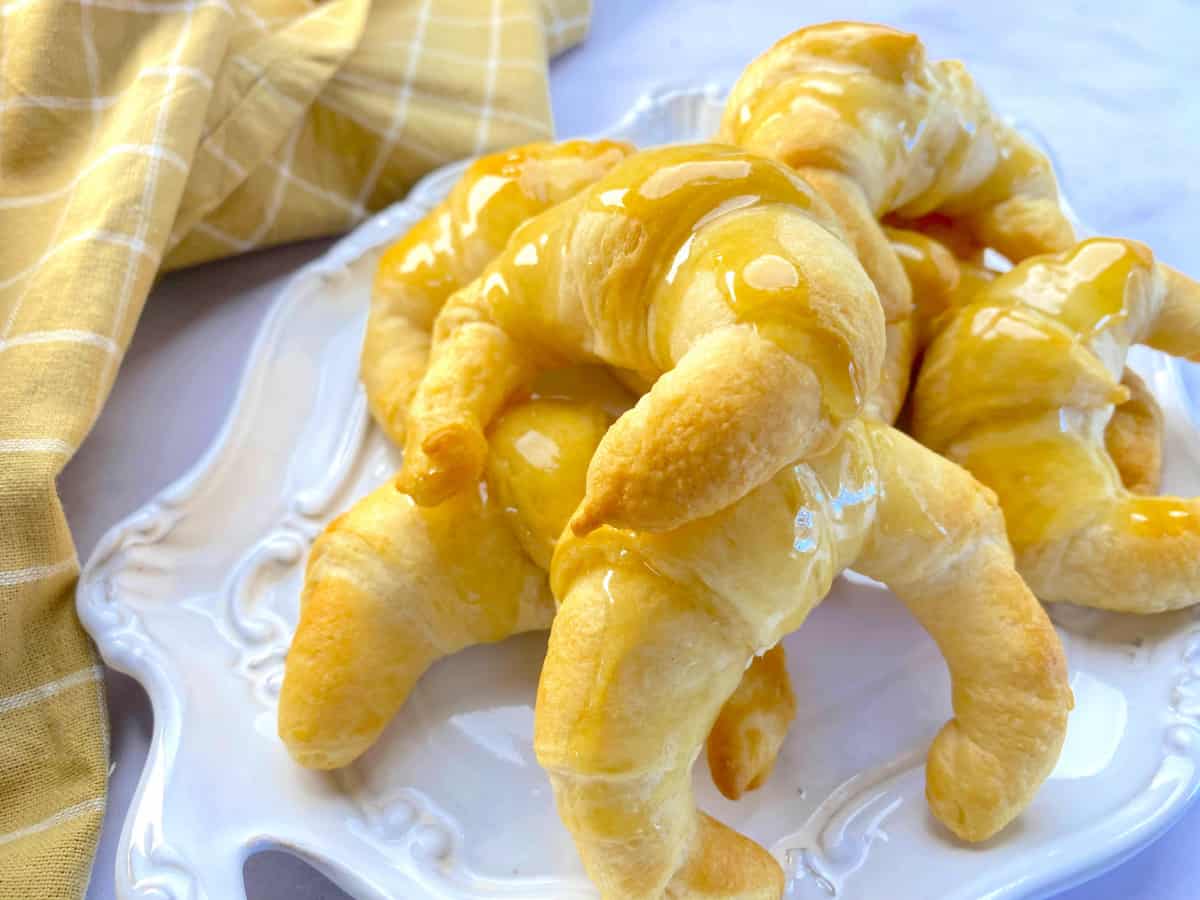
(97,102)
(476,21)
(284,173)
(62,336)
(429,154)
(462,59)
(148,192)
(260,73)
(13,7)
(485,111)
(13,577)
(54,244)
(489,79)
(100,235)
(45,691)
(88,40)
(188,7)
(231,241)
(29,102)
(226,160)
(287,176)
(165,154)
(96,804)
(36,445)
(399,115)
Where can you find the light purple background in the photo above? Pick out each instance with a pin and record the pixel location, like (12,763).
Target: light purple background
(1114,89)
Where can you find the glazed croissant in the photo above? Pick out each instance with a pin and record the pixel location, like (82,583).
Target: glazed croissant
(386,553)
(391,587)
(660,269)
(879,130)
(682,267)
(450,246)
(904,135)
(654,630)
(946,269)
(723,278)
(1020,385)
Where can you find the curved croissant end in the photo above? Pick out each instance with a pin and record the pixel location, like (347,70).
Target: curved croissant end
(734,410)
(652,636)
(1176,328)
(748,734)
(617,736)
(362,642)
(721,272)
(1134,435)
(939,544)
(1031,422)
(450,246)
(915,136)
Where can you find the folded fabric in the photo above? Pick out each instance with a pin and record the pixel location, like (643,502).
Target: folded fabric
(137,135)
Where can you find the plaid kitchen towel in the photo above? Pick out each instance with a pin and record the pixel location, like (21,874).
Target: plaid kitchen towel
(142,134)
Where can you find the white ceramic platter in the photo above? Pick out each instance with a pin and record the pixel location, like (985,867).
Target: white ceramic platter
(196,597)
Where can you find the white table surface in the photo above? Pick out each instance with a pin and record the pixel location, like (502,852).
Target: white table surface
(1112,87)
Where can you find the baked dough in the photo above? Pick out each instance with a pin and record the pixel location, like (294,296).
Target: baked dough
(655,629)
(391,587)
(879,130)
(450,246)
(715,275)
(913,136)
(1020,385)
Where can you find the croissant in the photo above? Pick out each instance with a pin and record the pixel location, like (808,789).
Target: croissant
(720,279)
(860,108)
(1020,386)
(945,268)
(391,587)
(450,246)
(683,266)
(879,130)
(654,630)
(346,635)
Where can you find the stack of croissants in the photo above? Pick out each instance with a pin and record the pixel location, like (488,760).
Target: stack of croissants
(646,400)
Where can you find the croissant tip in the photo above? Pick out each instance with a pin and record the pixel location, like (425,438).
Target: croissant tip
(584,523)
(590,515)
(403,482)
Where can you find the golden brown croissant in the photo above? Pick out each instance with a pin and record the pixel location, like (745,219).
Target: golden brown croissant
(656,627)
(391,587)
(683,266)
(720,260)
(912,137)
(654,630)
(1020,387)
(945,277)
(879,131)
(450,246)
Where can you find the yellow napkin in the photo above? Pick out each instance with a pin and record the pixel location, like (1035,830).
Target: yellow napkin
(137,134)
